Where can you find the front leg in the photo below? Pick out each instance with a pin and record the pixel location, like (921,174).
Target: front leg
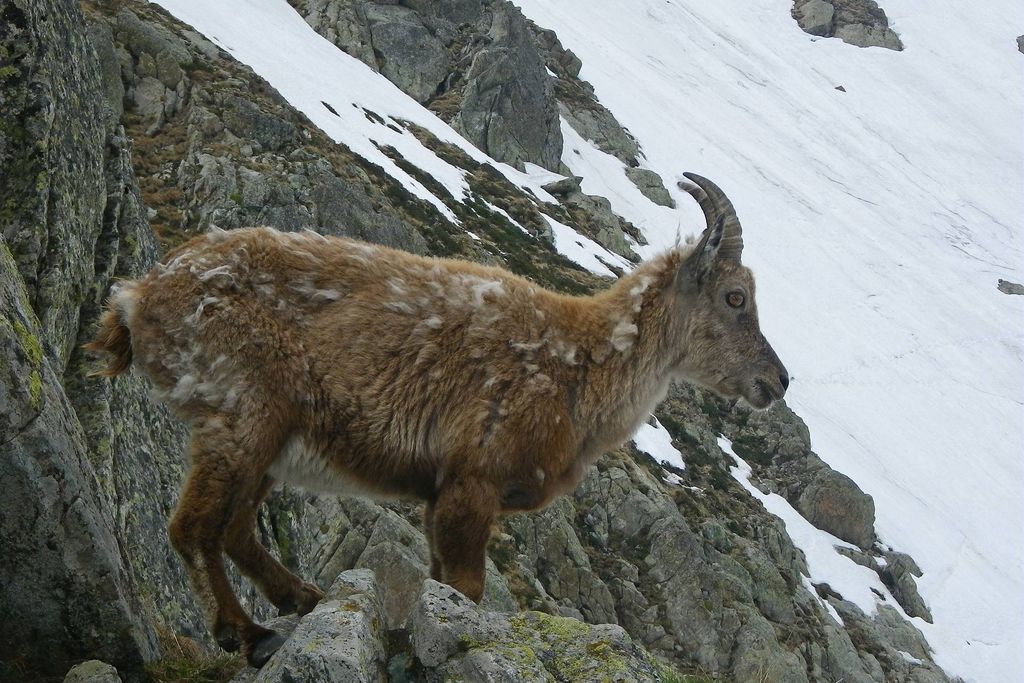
(463,514)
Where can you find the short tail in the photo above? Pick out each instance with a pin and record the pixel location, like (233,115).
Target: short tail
(113,337)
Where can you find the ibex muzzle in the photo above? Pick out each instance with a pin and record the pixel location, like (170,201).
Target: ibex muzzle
(355,368)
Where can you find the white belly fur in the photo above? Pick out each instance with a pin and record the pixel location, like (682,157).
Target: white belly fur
(296,464)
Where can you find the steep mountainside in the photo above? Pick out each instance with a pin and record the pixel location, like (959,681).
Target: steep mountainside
(456,128)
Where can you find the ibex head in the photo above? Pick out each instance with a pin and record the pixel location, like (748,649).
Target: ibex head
(726,351)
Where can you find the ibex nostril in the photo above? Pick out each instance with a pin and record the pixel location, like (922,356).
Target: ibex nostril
(784,380)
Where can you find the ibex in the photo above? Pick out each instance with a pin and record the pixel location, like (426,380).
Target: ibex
(342,366)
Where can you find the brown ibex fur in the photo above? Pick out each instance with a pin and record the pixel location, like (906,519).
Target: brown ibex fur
(348,367)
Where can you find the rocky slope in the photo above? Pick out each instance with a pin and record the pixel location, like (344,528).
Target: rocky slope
(137,133)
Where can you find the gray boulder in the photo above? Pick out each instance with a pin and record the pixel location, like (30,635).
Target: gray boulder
(776,444)
(604,226)
(146,38)
(564,186)
(92,671)
(246,120)
(651,185)
(398,555)
(834,503)
(564,63)
(758,658)
(156,57)
(343,209)
(1005,286)
(341,641)
(456,12)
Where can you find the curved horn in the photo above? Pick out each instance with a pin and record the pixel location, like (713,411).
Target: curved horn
(717,207)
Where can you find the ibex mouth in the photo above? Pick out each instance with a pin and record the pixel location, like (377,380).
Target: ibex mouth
(763,394)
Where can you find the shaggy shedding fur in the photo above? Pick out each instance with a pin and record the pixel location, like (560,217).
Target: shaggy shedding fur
(351,367)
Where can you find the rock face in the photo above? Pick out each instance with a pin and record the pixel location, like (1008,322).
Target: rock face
(64,566)
(134,134)
(858,22)
(508,108)
(407,53)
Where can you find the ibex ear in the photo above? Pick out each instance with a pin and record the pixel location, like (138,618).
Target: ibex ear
(697,265)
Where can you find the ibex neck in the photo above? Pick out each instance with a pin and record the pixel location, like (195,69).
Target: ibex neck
(633,354)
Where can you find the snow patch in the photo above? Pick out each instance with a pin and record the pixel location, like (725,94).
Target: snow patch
(585,251)
(654,440)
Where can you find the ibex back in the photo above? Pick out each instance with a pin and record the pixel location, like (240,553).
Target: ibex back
(339,365)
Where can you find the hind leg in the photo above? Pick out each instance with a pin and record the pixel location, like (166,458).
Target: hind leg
(228,461)
(285,590)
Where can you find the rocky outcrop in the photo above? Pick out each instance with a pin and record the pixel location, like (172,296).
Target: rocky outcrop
(578,104)
(229,157)
(406,51)
(475,63)
(778,448)
(857,22)
(508,108)
(62,561)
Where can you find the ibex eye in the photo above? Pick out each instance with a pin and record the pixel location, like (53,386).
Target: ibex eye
(735,299)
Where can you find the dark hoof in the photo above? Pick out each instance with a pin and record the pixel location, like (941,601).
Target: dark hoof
(309,596)
(264,648)
(227,640)
(302,601)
